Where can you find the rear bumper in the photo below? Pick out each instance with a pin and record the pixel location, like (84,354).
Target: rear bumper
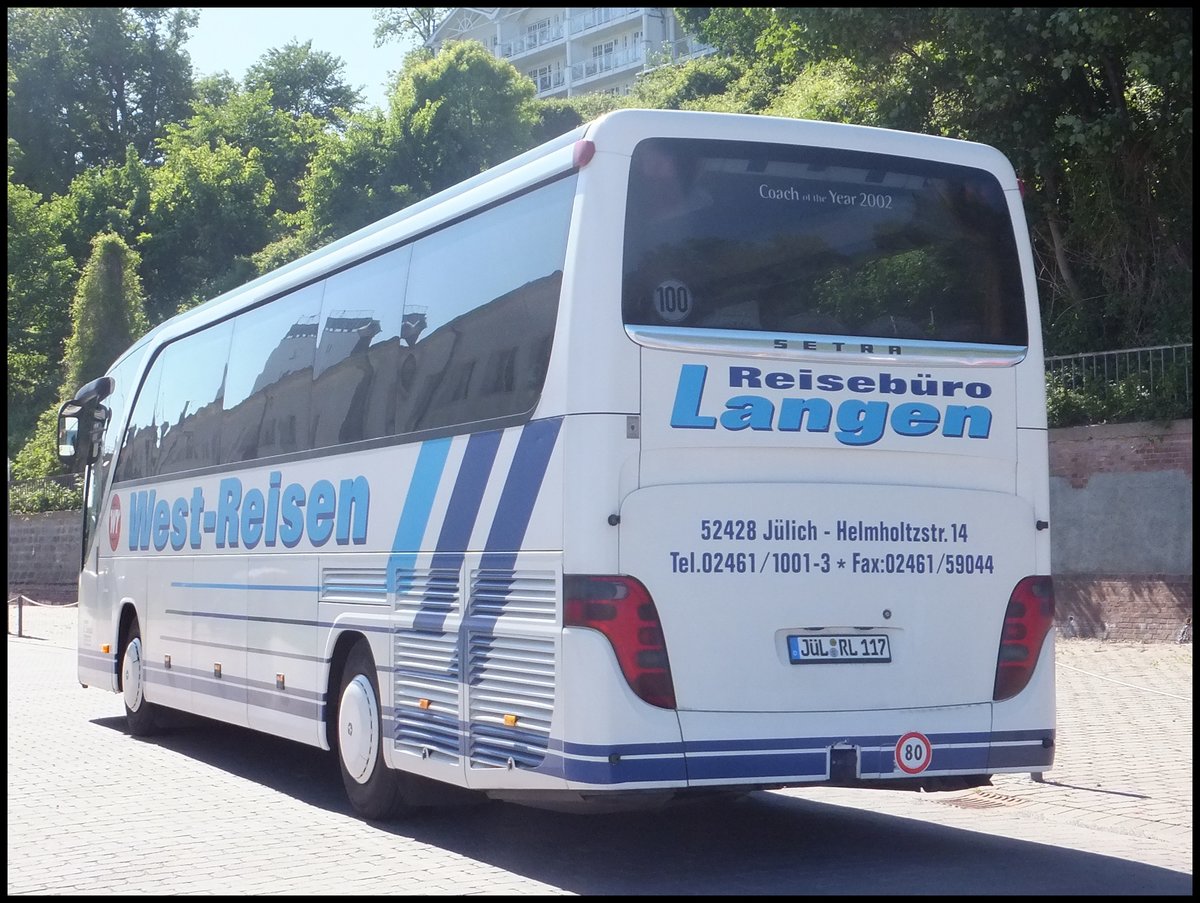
(735,749)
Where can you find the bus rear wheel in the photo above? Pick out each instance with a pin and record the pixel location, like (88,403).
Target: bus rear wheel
(141,716)
(374,790)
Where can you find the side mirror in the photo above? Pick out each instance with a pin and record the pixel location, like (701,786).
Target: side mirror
(81,423)
(68,437)
(80,432)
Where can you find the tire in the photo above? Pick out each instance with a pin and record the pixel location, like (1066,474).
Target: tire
(374,790)
(141,717)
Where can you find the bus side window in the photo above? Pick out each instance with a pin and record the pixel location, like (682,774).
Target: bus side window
(268,386)
(189,400)
(359,350)
(139,448)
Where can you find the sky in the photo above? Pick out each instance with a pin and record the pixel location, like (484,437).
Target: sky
(232,39)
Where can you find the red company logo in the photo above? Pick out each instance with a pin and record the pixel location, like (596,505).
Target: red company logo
(114,522)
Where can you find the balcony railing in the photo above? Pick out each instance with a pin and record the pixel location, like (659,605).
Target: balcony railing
(600,16)
(549,81)
(618,59)
(532,41)
(673,51)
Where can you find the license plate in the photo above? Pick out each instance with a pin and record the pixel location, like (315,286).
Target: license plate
(828,649)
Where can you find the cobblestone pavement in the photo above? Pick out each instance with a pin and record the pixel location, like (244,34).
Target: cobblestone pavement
(1123,763)
(1120,791)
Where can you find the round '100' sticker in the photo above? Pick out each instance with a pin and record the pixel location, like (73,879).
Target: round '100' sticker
(673,301)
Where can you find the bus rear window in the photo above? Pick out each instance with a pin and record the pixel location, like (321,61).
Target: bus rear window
(805,240)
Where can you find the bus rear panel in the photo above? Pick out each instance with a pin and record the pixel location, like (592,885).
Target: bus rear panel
(838,523)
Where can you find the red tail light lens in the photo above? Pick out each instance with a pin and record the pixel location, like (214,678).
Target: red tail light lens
(583,152)
(622,610)
(1029,617)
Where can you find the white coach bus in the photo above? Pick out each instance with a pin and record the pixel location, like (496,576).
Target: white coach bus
(685,453)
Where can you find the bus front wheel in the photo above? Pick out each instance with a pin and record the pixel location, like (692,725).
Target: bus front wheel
(373,788)
(140,715)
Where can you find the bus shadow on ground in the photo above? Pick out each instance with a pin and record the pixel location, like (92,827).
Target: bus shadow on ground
(759,844)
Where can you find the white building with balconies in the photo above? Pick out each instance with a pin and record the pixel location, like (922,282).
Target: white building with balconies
(568,51)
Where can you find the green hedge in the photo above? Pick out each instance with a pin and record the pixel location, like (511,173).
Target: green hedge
(1074,402)
(36,496)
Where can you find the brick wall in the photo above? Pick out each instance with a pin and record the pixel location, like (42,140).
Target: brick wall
(1080,453)
(1133,608)
(1121,529)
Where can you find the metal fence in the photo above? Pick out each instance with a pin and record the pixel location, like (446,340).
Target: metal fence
(1153,383)
(58,493)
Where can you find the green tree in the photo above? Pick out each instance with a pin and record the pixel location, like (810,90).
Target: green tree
(693,85)
(210,210)
(399,23)
(1093,105)
(461,112)
(738,31)
(107,314)
(214,90)
(355,179)
(249,120)
(450,117)
(40,277)
(112,198)
(89,81)
(558,115)
(304,81)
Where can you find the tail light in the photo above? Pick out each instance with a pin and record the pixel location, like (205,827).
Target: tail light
(622,610)
(582,152)
(1029,617)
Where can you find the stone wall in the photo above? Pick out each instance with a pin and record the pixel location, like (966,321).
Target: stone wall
(43,555)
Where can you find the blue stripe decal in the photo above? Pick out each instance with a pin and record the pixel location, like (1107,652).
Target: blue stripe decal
(623,771)
(603,751)
(520,493)
(800,765)
(954,758)
(453,540)
(886,743)
(1019,756)
(459,522)
(236,690)
(98,662)
(262,587)
(797,759)
(463,508)
(1001,736)
(783,744)
(414,517)
(505,538)
(791,758)
(356,588)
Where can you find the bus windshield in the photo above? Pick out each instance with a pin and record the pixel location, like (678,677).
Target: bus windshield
(795,239)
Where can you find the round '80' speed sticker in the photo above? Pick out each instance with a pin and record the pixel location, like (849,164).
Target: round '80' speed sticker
(913,752)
